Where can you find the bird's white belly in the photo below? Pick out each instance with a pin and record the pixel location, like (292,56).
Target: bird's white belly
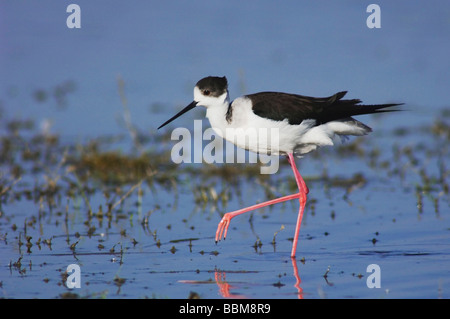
(258,134)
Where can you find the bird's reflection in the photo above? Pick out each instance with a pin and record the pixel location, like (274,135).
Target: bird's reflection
(297,278)
(226,289)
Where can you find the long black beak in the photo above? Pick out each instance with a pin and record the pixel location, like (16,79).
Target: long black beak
(187,108)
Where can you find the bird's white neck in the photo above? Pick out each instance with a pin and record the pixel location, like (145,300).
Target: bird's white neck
(217,116)
(216,112)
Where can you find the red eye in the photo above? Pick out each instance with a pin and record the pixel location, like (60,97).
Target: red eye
(206,92)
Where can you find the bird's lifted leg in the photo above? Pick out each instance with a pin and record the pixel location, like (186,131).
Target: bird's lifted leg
(222,228)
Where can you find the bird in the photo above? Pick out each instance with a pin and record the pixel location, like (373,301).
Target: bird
(302,124)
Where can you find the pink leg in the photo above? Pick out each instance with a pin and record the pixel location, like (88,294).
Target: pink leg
(298,178)
(222,228)
(303,190)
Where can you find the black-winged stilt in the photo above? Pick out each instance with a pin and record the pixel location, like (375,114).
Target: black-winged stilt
(302,124)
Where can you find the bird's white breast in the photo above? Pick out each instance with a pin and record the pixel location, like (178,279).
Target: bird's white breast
(249,131)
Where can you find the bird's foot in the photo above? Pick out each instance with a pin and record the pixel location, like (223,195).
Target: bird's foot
(222,228)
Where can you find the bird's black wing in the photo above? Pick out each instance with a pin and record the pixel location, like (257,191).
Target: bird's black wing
(296,108)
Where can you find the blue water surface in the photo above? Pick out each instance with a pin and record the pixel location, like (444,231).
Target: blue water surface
(67,81)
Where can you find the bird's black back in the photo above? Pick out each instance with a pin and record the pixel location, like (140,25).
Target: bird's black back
(296,108)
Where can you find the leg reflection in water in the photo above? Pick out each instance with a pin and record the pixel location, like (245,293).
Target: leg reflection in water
(226,289)
(297,278)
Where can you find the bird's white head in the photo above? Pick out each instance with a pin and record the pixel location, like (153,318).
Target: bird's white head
(211,91)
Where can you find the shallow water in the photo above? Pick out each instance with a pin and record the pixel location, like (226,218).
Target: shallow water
(159,243)
(77,188)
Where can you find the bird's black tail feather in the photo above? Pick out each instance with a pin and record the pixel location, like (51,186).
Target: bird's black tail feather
(347,108)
